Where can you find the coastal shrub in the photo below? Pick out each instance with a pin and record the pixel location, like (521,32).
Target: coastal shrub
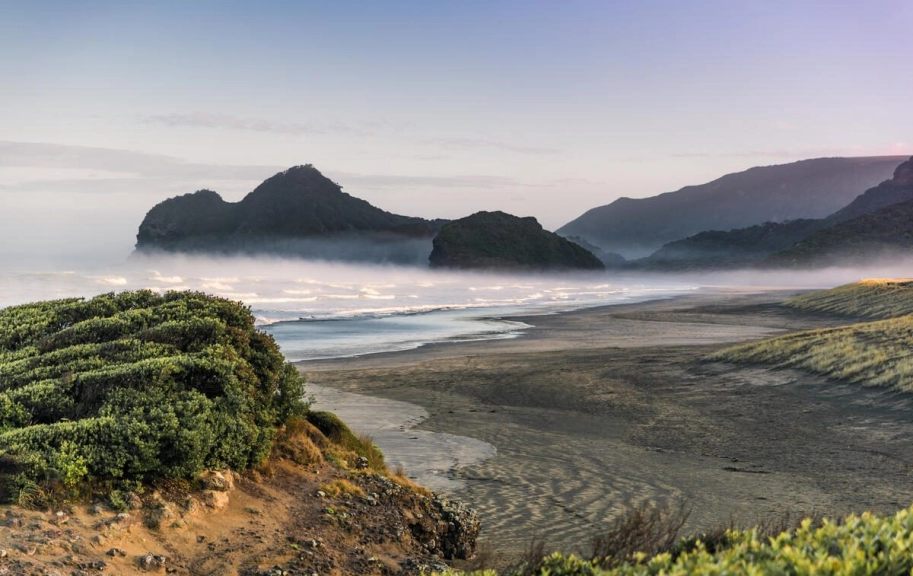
(135,387)
(858,544)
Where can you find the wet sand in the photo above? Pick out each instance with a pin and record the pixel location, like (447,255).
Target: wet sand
(599,409)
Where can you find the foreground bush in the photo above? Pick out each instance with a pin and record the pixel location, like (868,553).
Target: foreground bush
(135,387)
(865,544)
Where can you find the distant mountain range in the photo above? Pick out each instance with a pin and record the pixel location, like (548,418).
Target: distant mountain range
(300,212)
(877,225)
(871,224)
(800,190)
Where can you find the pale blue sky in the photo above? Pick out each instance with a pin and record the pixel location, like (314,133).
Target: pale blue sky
(429,108)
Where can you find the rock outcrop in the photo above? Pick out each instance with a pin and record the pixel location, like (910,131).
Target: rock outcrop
(500,241)
(298,212)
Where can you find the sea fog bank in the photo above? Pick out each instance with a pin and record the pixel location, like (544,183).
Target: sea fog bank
(318,309)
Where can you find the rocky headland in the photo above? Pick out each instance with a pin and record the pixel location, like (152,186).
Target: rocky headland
(501,241)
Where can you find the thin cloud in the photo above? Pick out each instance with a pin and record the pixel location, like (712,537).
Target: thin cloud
(128,163)
(211,120)
(476,143)
(897,149)
(399,181)
(783,125)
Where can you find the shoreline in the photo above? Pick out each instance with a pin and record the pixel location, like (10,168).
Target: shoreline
(429,458)
(538,333)
(598,409)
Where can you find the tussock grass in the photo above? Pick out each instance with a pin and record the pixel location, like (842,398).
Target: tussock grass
(299,441)
(344,446)
(342,487)
(399,476)
(870,353)
(874,298)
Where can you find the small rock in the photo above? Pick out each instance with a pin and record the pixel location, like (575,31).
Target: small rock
(215,499)
(134,502)
(213,480)
(116,552)
(152,562)
(321,494)
(201,539)
(158,515)
(122,521)
(361,463)
(59,518)
(252,510)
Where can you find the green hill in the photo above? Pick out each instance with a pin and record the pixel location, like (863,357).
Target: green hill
(500,241)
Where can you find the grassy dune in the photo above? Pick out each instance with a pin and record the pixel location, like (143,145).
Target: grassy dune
(870,353)
(878,353)
(876,298)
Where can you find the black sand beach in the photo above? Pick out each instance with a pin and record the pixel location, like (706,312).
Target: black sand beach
(596,410)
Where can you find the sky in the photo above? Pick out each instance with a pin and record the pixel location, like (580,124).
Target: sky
(433,109)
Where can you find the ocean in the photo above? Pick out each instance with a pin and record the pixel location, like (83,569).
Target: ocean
(319,310)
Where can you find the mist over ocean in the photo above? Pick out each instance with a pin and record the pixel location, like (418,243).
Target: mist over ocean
(318,309)
(325,310)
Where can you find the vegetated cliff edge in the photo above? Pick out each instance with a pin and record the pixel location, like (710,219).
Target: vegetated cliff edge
(163,432)
(297,212)
(806,189)
(500,241)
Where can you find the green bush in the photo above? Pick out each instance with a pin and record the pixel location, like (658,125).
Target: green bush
(864,544)
(135,387)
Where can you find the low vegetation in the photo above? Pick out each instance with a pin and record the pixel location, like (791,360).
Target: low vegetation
(863,544)
(874,298)
(870,353)
(125,389)
(878,353)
